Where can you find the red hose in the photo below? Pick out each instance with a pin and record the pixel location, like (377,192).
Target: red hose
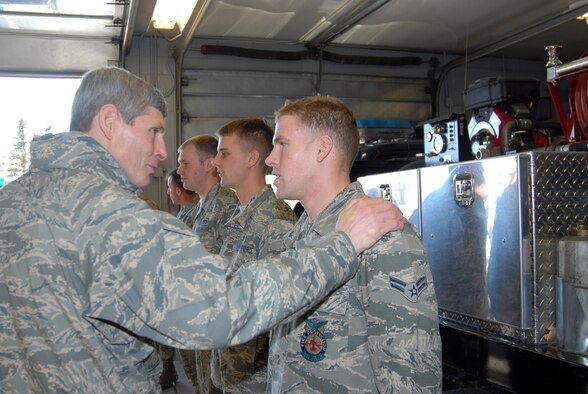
(579,103)
(559,110)
(581,106)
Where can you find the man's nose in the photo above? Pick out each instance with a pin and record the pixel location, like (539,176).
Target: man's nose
(160,148)
(271,160)
(216,160)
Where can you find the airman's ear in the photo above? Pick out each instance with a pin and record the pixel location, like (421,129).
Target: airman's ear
(325,145)
(253,157)
(107,117)
(208,164)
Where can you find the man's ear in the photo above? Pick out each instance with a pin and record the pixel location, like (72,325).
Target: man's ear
(325,145)
(107,117)
(253,157)
(208,164)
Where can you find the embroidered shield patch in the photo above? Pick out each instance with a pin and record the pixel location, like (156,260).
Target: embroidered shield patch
(313,342)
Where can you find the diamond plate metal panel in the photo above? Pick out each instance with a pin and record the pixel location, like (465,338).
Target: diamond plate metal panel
(557,200)
(559,195)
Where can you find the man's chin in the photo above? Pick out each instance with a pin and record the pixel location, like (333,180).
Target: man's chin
(141,183)
(227,184)
(281,194)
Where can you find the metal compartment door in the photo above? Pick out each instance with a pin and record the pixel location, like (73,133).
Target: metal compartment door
(474,227)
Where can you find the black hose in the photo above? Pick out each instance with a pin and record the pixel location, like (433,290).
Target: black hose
(509,127)
(310,54)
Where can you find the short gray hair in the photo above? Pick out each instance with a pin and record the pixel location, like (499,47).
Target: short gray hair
(130,94)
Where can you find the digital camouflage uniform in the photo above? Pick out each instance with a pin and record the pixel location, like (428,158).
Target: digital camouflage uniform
(376,333)
(212,213)
(253,232)
(186,214)
(87,268)
(165,352)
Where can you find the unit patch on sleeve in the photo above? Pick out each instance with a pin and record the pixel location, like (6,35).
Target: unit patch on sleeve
(411,290)
(313,342)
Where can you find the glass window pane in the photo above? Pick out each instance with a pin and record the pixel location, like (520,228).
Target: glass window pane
(64,7)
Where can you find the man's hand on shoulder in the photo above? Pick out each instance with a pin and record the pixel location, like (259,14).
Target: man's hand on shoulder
(365,220)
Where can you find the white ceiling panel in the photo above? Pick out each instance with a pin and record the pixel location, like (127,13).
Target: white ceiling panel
(474,27)
(285,20)
(453,26)
(449,26)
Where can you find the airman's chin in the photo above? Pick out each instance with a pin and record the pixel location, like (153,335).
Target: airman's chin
(225,183)
(280,194)
(141,183)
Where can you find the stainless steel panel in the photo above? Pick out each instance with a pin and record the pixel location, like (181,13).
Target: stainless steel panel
(400,187)
(572,317)
(571,286)
(491,228)
(475,232)
(559,194)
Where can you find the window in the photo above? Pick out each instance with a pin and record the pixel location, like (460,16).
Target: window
(30,106)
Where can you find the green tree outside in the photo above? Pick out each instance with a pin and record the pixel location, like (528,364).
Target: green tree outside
(19,157)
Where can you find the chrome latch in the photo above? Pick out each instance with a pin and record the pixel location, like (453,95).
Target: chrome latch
(464,189)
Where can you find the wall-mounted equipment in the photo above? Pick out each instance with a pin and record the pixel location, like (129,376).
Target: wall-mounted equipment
(446,140)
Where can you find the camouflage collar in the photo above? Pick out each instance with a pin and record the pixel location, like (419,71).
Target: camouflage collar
(76,151)
(260,199)
(326,220)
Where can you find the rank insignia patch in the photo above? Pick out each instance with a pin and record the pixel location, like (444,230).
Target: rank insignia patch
(313,342)
(411,290)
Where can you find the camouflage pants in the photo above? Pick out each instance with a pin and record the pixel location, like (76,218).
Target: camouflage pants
(189,361)
(204,379)
(165,352)
(199,374)
(242,368)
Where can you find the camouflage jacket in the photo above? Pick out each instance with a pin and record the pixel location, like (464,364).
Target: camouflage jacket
(186,214)
(257,229)
(252,233)
(88,270)
(376,333)
(211,215)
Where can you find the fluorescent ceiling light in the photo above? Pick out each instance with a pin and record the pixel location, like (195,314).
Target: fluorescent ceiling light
(585,17)
(168,13)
